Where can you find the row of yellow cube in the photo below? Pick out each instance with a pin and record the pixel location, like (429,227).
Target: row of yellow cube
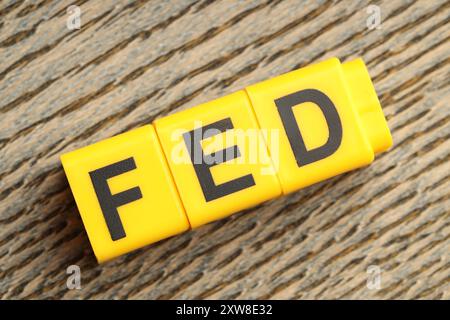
(215,159)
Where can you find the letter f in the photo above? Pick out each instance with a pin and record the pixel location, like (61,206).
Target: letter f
(109,202)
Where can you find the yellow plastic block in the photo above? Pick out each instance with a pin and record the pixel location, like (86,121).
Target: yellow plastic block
(124,192)
(218,158)
(328,118)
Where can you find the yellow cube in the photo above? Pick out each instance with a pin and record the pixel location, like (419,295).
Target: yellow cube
(328,118)
(218,158)
(125,192)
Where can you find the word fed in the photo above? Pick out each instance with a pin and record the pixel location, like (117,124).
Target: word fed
(223,156)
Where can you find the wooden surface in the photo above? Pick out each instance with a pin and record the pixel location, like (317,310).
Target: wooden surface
(134,61)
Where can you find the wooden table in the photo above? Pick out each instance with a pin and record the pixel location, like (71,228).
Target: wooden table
(134,61)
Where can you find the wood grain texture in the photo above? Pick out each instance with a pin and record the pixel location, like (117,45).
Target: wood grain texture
(134,61)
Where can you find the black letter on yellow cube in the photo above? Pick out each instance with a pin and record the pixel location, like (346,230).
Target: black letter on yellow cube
(285,108)
(109,202)
(212,191)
